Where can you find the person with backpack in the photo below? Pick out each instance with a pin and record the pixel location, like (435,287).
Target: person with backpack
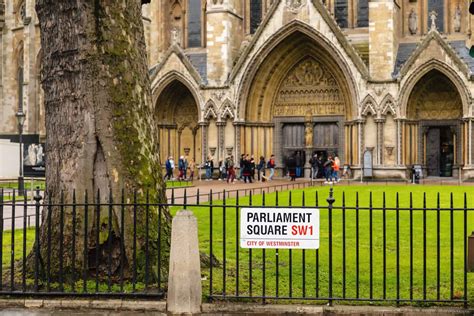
(271,166)
(328,169)
(315,165)
(230,170)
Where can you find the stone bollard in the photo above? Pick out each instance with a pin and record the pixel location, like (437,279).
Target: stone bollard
(184,283)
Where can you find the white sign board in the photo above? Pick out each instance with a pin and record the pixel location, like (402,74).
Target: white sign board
(292,228)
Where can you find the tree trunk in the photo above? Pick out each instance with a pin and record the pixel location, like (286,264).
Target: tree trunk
(100,135)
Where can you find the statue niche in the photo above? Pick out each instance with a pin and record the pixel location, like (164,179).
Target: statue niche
(309,86)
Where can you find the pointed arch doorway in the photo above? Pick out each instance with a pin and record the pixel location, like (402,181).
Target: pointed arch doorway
(303,97)
(433,127)
(177,116)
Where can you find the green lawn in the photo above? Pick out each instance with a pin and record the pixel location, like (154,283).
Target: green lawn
(14,185)
(310,290)
(178,184)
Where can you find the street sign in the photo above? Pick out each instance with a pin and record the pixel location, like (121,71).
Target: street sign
(282,228)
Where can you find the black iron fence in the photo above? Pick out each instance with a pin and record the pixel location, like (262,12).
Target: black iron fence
(398,254)
(383,249)
(42,250)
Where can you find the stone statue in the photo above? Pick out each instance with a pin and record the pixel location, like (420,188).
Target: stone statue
(433,17)
(413,22)
(308,132)
(175,34)
(457,19)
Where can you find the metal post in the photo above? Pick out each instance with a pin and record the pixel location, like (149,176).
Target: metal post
(21,182)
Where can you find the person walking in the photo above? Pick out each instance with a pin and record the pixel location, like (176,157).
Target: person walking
(271,166)
(169,168)
(315,165)
(241,165)
(261,168)
(247,170)
(230,170)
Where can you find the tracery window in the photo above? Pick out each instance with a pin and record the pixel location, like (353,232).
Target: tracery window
(255,15)
(438,7)
(194,23)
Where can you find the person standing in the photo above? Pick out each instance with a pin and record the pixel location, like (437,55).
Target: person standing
(230,170)
(328,168)
(314,166)
(252,168)
(186,166)
(181,168)
(209,168)
(292,167)
(192,166)
(271,166)
(298,164)
(261,168)
(336,168)
(247,170)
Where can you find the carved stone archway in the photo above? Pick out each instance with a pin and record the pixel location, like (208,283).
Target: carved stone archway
(300,91)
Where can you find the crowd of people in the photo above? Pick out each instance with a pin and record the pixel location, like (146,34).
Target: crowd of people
(251,169)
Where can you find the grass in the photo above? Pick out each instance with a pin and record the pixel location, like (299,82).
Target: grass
(14,185)
(178,184)
(303,264)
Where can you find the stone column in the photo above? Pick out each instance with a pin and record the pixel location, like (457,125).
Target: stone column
(205,151)
(380,146)
(469,142)
(220,141)
(309,146)
(237,127)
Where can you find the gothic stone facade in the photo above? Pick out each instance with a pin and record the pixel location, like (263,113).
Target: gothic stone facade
(389,79)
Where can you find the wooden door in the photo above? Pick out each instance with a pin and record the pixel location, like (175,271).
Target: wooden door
(433,151)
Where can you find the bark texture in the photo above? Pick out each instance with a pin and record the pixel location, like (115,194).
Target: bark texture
(100,133)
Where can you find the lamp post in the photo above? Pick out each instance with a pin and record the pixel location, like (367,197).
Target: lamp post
(20,116)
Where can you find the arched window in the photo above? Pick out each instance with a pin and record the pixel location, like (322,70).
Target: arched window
(438,7)
(194,23)
(363,13)
(341,13)
(255,15)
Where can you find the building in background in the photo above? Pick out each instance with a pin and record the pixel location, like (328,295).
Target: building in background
(387,80)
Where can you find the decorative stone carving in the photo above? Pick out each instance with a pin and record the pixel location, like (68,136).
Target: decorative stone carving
(435,98)
(433,17)
(2,14)
(457,19)
(295,5)
(308,132)
(413,22)
(309,86)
